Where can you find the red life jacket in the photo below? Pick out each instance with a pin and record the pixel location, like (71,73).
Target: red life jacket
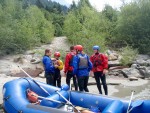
(32,96)
(97,60)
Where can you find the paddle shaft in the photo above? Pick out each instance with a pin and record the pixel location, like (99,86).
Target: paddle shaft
(130,101)
(52,100)
(68,101)
(69,90)
(34,81)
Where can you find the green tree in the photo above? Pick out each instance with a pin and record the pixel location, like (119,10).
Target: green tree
(22,29)
(133,25)
(85,26)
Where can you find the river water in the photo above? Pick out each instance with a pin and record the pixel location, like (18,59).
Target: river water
(141,92)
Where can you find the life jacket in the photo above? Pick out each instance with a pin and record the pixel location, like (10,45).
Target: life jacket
(97,60)
(83,61)
(60,65)
(32,96)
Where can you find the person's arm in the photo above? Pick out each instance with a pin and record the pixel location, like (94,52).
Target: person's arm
(75,65)
(90,66)
(66,67)
(105,63)
(48,64)
(91,58)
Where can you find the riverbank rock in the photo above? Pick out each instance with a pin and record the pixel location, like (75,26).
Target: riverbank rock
(131,72)
(112,55)
(133,78)
(114,63)
(142,60)
(31,72)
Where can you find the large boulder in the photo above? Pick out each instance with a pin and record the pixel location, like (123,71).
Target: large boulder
(31,72)
(131,72)
(112,55)
(114,63)
(145,71)
(142,60)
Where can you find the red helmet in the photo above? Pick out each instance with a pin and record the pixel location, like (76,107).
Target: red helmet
(57,54)
(78,48)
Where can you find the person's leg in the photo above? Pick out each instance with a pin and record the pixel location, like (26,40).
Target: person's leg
(68,77)
(46,76)
(54,81)
(97,79)
(59,81)
(75,83)
(103,79)
(80,83)
(50,79)
(47,81)
(86,79)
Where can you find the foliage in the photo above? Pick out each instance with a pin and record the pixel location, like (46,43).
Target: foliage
(133,25)
(22,29)
(128,55)
(28,23)
(56,10)
(85,26)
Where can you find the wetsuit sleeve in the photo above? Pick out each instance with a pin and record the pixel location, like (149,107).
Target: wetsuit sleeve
(90,66)
(91,58)
(66,68)
(75,65)
(105,61)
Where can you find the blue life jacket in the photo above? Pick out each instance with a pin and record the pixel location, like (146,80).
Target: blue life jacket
(81,65)
(83,61)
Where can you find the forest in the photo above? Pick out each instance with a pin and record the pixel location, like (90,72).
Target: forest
(25,24)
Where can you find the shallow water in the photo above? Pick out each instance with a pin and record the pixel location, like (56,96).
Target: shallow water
(141,92)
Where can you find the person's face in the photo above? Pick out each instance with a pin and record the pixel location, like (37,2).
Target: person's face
(56,57)
(74,51)
(49,53)
(95,51)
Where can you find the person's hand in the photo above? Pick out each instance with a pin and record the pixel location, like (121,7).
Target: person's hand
(65,74)
(53,59)
(91,74)
(105,71)
(56,66)
(75,76)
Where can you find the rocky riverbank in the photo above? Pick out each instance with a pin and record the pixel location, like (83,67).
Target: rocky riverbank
(121,80)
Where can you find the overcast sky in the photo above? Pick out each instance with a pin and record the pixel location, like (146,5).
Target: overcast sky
(98,4)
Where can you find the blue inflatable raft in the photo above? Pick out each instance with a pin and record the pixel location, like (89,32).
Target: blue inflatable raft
(15,100)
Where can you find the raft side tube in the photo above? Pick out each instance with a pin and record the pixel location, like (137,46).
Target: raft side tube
(13,98)
(88,100)
(114,107)
(55,96)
